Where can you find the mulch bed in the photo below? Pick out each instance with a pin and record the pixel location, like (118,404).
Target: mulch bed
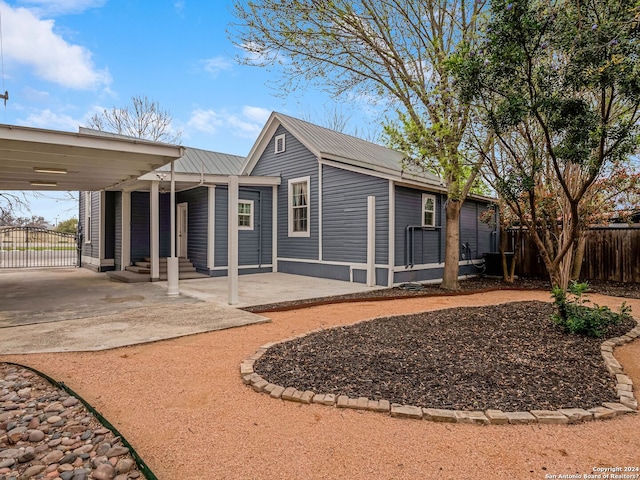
(468,286)
(509,357)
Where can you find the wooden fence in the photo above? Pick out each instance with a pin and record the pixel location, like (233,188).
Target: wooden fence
(611,254)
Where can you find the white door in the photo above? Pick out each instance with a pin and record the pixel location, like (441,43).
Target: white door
(182,229)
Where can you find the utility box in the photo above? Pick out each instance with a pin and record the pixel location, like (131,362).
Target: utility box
(493,263)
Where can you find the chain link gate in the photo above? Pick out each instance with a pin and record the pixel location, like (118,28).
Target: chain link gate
(31,247)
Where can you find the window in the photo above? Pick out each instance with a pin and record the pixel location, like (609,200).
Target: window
(87,217)
(299,212)
(245,214)
(428,210)
(280,143)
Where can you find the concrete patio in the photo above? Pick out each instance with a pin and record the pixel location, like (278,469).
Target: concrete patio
(69,309)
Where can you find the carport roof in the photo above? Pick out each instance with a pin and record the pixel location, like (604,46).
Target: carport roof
(38,159)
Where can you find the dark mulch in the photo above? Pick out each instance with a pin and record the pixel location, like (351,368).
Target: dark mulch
(471,285)
(509,357)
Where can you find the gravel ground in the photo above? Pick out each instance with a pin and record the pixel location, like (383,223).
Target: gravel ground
(509,357)
(182,405)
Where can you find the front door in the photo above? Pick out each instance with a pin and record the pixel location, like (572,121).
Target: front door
(182,229)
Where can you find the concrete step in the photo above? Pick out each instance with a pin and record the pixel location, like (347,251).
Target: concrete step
(138,269)
(145,267)
(132,277)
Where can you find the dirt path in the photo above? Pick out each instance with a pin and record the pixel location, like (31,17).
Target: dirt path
(181,403)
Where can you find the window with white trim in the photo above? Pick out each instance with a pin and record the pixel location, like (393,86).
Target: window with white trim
(428,210)
(279,143)
(245,214)
(87,217)
(299,207)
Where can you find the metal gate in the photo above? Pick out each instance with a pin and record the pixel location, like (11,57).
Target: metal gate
(30,247)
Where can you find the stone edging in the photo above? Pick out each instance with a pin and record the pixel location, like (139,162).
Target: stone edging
(624,388)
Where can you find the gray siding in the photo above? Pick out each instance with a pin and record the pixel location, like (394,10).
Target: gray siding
(90,249)
(337,272)
(428,244)
(140,227)
(296,161)
(344,214)
(254,246)
(197,222)
(110,225)
(478,235)
(117,253)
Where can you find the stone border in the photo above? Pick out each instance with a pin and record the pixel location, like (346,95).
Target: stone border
(624,387)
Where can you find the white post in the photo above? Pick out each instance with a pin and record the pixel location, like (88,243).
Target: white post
(155,231)
(371,241)
(392,231)
(274,229)
(173,287)
(232,244)
(125,260)
(211,228)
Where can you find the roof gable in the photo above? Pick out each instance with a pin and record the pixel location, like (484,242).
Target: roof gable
(328,144)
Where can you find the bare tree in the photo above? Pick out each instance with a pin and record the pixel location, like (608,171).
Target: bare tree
(394,50)
(142,119)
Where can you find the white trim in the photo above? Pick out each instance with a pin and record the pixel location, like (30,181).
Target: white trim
(125,253)
(183,240)
(197,179)
(291,233)
(397,178)
(211,227)
(241,267)
(425,197)
(437,280)
(232,241)
(274,228)
(371,241)
(101,224)
(428,266)
(392,231)
(320,245)
(251,214)
(154,250)
(87,218)
(276,139)
(359,266)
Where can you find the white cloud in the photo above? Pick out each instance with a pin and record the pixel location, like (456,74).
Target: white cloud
(205,121)
(61,7)
(31,41)
(213,66)
(51,120)
(257,114)
(246,123)
(179,5)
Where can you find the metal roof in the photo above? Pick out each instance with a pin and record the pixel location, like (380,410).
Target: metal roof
(351,150)
(196,160)
(39,159)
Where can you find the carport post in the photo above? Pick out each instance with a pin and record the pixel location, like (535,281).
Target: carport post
(371,241)
(173,262)
(232,228)
(155,232)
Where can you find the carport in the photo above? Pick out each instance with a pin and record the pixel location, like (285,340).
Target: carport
(34,159)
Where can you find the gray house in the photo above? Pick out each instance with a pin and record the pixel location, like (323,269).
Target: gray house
(312,201)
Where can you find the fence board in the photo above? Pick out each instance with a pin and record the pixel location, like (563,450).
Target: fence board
(611,254)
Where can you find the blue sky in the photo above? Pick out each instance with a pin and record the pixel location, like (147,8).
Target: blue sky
(65,60)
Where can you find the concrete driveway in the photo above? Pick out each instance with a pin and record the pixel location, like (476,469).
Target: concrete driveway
(70,309)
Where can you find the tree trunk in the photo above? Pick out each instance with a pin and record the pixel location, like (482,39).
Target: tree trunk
(507,270)
(579,257)
(452,246)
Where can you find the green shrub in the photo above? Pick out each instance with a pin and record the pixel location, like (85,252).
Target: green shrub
(574,315)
